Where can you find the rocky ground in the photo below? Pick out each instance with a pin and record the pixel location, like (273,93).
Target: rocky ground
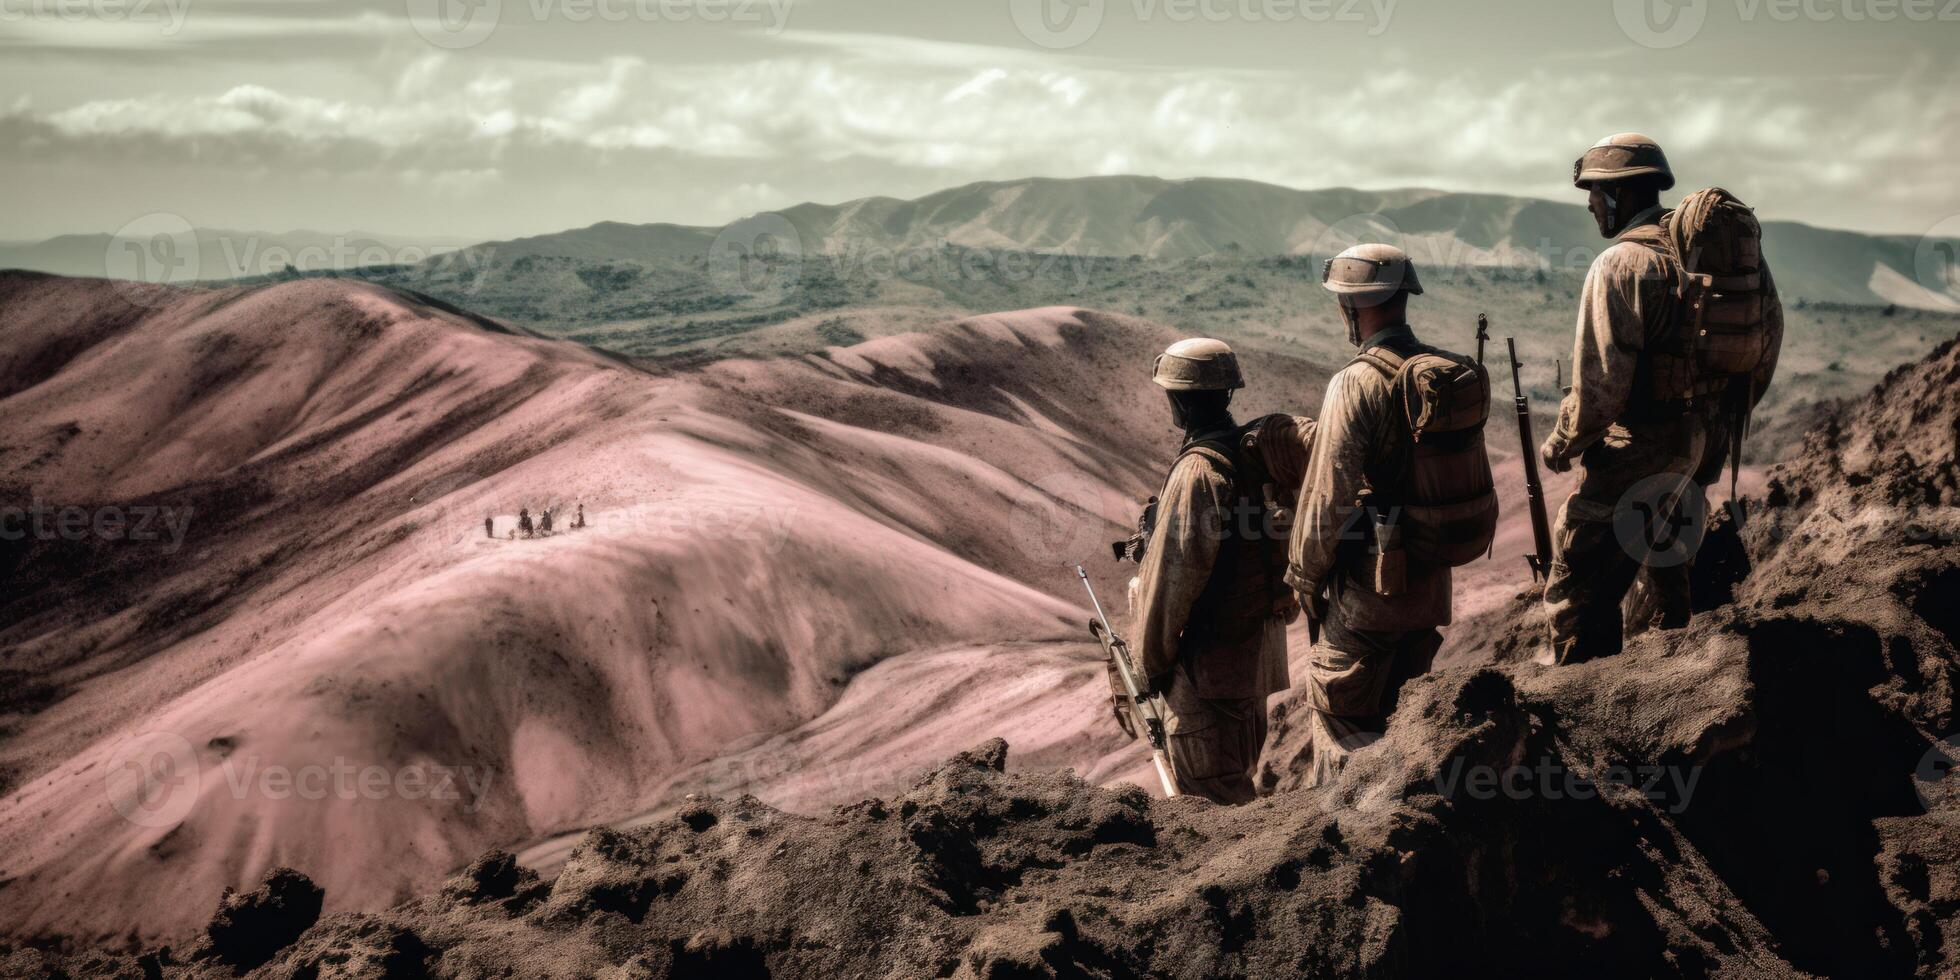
(1760,794)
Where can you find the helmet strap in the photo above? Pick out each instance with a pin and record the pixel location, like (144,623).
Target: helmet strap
(1353,321)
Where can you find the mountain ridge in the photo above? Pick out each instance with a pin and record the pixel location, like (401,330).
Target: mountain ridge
(1115,216)
(1159,218)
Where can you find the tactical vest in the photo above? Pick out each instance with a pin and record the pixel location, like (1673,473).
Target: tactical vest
(1247,578)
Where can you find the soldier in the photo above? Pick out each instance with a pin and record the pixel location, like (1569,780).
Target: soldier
(1649,425)
(1211,610)
(490,528)
(524,521)
(1369,643)
(544,524)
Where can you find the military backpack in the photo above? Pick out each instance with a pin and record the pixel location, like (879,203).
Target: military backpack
(1439,480)
(1720,329)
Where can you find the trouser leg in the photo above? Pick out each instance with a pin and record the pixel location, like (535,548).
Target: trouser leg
(1214,743)
(1354,684)
(1633,483)
(1665,591)
(1589,576)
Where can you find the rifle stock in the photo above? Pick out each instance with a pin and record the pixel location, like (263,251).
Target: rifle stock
(1142,707)
(1534,491)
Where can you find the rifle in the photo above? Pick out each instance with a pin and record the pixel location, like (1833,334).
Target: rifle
(1534,492)
(1483,334)
(1138,707)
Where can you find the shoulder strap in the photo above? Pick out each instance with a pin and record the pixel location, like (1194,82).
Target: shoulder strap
(1383,360)
(1215,450)
(1393,464)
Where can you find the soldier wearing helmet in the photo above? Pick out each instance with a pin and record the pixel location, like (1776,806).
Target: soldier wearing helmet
(1642,442)
(1209,603)
(1370,643)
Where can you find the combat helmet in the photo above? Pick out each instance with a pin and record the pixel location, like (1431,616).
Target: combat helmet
(1621,156)
(1198,364)
(1370,272)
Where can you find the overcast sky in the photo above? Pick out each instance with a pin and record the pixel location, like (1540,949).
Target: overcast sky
(491,118)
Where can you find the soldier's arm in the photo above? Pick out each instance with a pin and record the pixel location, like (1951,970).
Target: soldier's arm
(1183,547)
(1342,436)
(1622,289)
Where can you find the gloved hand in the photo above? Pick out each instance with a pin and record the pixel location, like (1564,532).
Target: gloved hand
(1551,454)
(1120,703)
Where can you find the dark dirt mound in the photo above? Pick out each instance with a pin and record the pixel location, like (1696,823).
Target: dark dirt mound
(1759,794)
(250,927)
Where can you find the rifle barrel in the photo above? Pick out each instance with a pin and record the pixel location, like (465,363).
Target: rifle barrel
(1534,491)
(1144,714)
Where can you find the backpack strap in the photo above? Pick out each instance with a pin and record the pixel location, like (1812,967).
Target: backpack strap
(1386,361)
(1389,364)
(1219,452)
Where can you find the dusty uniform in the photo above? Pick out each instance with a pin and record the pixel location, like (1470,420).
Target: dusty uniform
(1635,447)
(1206,617)
(1369,644)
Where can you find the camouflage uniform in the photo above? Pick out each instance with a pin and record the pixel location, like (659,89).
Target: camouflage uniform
(1634,451)
(1370,644)
(1206,620)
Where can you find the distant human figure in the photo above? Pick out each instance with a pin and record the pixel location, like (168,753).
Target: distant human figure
(579,520)
(490,528)
(544,523)
(524,521)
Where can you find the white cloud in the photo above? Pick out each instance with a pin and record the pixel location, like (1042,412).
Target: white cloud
(946,109)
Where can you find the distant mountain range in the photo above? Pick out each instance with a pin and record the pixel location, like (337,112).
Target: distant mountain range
(1166,219)
(1182,219)
(172,251)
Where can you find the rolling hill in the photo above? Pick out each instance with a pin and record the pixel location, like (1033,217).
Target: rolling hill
(863,554)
